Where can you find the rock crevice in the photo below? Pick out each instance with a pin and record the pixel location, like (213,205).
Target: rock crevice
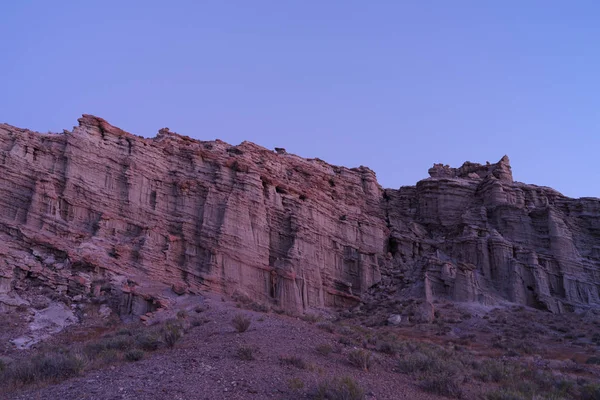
(98,210)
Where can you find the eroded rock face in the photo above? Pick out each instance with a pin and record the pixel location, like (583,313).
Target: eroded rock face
(473,234)
(100,212)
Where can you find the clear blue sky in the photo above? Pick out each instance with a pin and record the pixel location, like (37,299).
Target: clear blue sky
(393,85)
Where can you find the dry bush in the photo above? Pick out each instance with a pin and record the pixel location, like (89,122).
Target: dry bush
(344,388)
(326,326)
(495,371)
(52,366)
(241,323)
(443,384)
(360,358)
(172,332)
(134,355)
(324,349)
(293,360)
(147,341)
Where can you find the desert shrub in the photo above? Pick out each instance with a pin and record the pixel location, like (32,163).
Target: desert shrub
(109,356)
(591,391)
(182,314)
(241,323)
(312,318)
(94,349)
(429,360)
(295,383)
(119,342)
(259,307)
(53,366)
(388,347)
(172,332)
(326,326)
(134,355)
(417,363)
(345,330)
(293,360)
(443,384)
(360,358)
(148,341)
(494,371)
(348,341)
(344,388)
(123,332)
(593,360)
(245,353)
(324,349)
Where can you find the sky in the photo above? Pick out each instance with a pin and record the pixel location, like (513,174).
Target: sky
(393,85)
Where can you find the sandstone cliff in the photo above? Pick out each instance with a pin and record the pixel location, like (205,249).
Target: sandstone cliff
(102,213)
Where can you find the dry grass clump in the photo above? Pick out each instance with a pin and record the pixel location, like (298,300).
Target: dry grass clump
(344,388)
(326,326)
(241,323)
(172,332)
(134,355)
(324,349)
(52,366)
(443,384)
(361,358)
(293,360)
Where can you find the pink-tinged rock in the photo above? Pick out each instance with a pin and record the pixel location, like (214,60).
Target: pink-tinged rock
(179,289)
(175,213)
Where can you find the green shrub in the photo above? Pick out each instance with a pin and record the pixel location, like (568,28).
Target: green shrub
(360,358)
(241,323)
(344,388)
(134,355)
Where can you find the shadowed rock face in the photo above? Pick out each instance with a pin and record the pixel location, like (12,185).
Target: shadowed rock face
(98,211)
(473,234)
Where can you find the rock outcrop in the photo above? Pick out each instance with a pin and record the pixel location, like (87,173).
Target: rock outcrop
(98,212)
(473,234)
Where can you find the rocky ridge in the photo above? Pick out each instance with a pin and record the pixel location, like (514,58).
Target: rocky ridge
(98,213)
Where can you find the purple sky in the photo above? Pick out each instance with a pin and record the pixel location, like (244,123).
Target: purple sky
(393,85)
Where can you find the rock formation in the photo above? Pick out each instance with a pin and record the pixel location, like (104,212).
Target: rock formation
(100,213)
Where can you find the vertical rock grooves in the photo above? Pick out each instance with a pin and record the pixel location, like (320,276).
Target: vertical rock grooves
(99,210)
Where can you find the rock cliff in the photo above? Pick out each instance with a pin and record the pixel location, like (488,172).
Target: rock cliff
(101,213)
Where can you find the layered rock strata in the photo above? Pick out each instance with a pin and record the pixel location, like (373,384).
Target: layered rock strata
(100,212)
